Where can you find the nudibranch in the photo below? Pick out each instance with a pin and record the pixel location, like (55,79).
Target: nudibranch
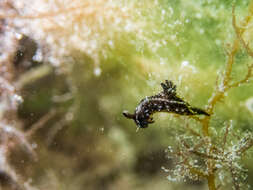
(165,101)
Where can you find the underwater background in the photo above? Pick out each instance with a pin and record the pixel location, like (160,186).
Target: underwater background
(69,68)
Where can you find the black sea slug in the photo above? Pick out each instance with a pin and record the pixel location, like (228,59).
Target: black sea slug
(165,101)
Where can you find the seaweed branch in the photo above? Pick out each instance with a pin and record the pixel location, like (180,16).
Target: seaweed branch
(228,155)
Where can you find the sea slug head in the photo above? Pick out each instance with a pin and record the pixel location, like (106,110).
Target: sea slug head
(140,121)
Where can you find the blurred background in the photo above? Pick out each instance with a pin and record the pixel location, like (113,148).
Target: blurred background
(68,68)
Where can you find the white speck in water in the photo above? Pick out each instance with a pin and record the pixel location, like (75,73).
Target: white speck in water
(164,42)
(164,169)
(218,42)
(173,37)
(198,15)
(128,27)
(184,63)
(180,77)
(249,104)
(124,9)
(162,61)
(218,165)
(69,116)
(17,98)
(54,61)
(170,178)
(201,31)
(171,11)
(97,71)
(110,43)
(34,145)
(177,22)
(18,36)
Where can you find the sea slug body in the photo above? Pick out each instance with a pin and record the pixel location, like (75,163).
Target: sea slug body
(165,101)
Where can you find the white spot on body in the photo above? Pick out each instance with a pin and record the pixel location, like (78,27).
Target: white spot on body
(38,56)
(138,108)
